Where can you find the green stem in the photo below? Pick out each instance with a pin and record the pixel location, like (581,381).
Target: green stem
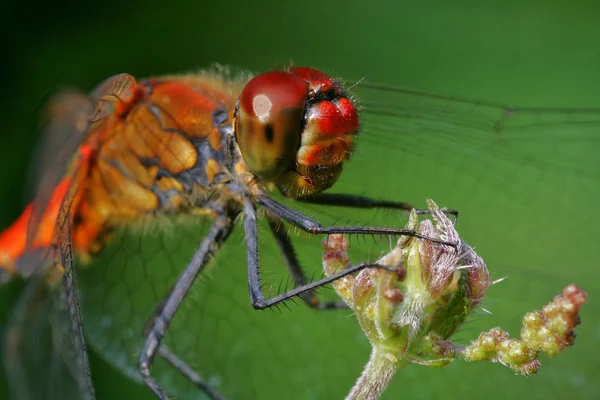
(376,376)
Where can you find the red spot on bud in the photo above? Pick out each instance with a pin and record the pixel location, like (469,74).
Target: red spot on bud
(393,295)
(575,295)
(401,273)
(530,367)
(363,285)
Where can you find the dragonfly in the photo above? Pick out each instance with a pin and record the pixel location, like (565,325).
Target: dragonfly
(176,145)
(214,146)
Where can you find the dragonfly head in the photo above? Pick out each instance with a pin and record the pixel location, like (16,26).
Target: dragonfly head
(295,128)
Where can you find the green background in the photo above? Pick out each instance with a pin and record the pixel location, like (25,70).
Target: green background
(533,221)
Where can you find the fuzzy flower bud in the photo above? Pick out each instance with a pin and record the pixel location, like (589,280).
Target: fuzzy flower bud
(410,309)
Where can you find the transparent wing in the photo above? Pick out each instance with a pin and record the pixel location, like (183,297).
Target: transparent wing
(27,340)
(67,322)
(536,167)
(548,139)
(63,121)
(67,122)
(45,351)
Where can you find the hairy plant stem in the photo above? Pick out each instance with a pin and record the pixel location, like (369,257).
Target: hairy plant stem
(377,375)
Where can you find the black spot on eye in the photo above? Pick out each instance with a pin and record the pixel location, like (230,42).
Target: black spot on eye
(269,133)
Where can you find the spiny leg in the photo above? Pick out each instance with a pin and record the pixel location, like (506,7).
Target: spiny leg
(257,298)
(356,201)
(187,371)
(177,363)
(313,227)
(292,263)
(219,231)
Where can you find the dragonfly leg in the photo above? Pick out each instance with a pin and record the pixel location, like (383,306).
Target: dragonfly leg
(257,298)
(292,263)
(219,231)
(181,366)
(356,201)
(185,370)
(315,228)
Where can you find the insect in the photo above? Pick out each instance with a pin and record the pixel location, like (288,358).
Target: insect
(179,145)
(204,145)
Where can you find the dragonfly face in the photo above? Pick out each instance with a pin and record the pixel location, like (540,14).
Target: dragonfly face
(296,129)
(505,150)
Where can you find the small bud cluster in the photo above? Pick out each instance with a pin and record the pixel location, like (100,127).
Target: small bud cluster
(549,330)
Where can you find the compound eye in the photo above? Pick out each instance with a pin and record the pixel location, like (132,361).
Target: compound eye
(269,122)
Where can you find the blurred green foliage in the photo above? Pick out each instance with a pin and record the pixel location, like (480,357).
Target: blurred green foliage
(524,52)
